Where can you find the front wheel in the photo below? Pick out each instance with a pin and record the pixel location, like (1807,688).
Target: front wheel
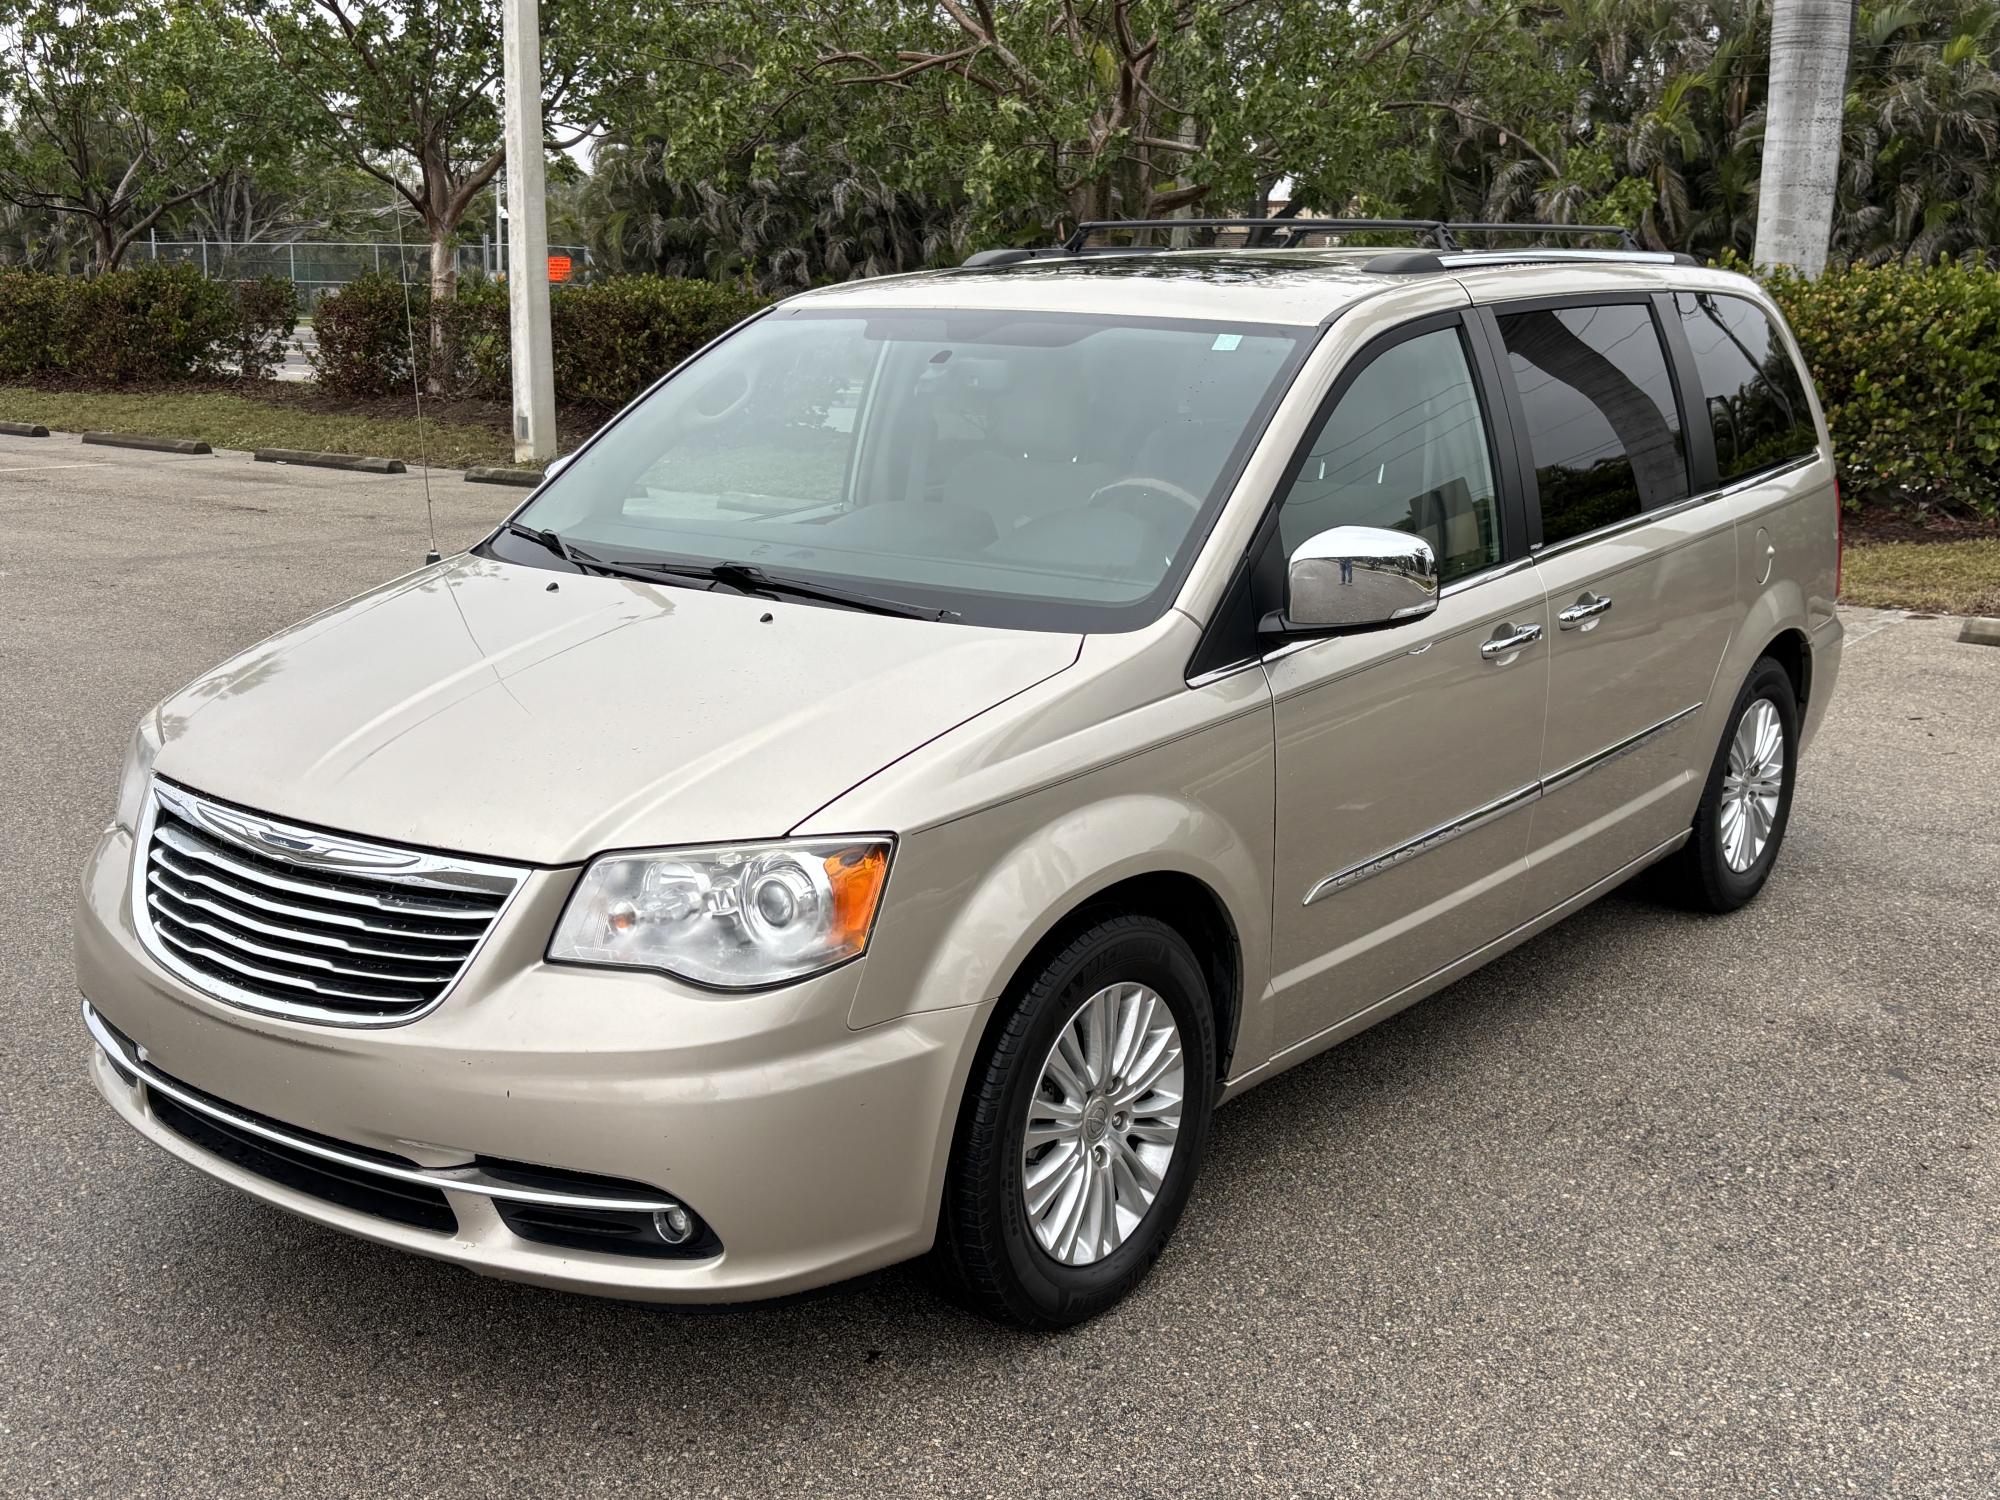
(1083,1128)
(1740,825)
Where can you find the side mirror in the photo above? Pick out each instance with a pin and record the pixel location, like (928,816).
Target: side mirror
(1353,577)
(555,466)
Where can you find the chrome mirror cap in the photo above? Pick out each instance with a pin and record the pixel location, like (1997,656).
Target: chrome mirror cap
(1351,577)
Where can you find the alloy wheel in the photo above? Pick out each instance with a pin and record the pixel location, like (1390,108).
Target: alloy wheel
(1752,782)
(1103,1123)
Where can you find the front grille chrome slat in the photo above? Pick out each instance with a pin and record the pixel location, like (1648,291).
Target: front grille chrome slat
(452,951)
(315,960)
(183,842)
(163,859)
(280,918)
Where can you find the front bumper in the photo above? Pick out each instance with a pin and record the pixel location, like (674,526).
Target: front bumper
(812,1151)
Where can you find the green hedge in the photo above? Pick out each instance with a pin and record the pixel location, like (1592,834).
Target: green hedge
(1907,360)
(611,338)
(150,325)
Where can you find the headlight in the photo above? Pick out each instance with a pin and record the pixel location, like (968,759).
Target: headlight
(732,916)
(138,773)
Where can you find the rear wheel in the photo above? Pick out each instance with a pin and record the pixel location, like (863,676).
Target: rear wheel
(1083,1128)
(1740,825)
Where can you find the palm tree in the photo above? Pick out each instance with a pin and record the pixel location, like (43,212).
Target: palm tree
(1802,132)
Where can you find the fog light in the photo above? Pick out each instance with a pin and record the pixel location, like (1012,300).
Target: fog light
(674,1225)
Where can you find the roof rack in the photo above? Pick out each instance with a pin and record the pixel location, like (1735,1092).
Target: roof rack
(1289,230)
(1443,233)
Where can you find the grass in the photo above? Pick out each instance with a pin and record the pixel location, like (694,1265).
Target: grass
(266,418)
(1949,578)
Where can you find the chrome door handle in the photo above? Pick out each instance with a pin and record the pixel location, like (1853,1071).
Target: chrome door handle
(1589,607)
(1506,645)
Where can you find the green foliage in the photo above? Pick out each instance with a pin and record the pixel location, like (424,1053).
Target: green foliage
(612,338)
(120,110)
(1907,360)
(267,313)
(362,333)
(157,323)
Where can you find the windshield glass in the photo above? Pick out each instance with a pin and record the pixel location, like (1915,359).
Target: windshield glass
(1054,471)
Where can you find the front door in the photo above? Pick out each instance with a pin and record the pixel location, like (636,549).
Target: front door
(1406,756)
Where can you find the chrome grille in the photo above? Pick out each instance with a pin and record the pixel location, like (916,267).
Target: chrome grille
(277,917)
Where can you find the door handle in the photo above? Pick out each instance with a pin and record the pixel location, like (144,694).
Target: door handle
(1589,607)
(1503,646)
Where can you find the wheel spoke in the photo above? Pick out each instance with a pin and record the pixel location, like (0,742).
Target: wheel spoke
(1752,786)
(1093,1158)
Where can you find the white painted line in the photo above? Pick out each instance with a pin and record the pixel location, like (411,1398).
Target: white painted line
(30,468)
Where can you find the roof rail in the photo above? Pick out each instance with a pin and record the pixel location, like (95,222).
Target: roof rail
(1443,233)
(1626,239)
(1290,229)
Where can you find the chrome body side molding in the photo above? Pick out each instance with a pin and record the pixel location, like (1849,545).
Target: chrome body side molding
(1479,817)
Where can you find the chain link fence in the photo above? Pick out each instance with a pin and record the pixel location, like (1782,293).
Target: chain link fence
(319,266)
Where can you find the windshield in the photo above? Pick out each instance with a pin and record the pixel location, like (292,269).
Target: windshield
(1053,471)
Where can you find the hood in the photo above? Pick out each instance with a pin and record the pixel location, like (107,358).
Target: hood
(489,708)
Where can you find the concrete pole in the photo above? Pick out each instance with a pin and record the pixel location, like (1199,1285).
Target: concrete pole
(1802,127)
(528,236)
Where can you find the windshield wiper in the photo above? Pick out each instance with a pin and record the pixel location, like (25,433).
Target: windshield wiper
(746,578)
(743,577)
(581,561)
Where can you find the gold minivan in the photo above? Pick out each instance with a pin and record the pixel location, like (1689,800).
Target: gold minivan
(903,773)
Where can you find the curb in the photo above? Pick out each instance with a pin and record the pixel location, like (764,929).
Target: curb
(23,429)
(1980,630)
(489,474)
(150,444)
(363,463)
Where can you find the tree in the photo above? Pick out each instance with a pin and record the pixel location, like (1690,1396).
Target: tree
(1035,113)
(409,93)
(1802,132)
(122,112)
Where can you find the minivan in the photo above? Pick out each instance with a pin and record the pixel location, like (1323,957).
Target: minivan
(953,732)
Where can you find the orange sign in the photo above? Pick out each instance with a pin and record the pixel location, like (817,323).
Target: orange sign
(559,268)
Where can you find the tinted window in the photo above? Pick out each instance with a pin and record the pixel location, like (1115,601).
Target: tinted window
(1756,402)
(1602,423)
(1405,448)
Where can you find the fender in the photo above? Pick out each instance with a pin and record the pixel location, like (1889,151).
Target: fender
(997,885)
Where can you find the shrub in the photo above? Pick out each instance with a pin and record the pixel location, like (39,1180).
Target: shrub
(363,335)
(152,324)
(1907,360)
(156,323)
(611,338)
(267,312)
(33,311)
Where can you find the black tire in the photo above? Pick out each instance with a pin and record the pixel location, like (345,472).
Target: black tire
(1698,876)
(987,1254)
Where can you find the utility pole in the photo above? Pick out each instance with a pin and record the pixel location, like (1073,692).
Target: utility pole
(527,236)
(1802,129)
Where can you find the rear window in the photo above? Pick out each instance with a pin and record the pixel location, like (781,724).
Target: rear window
(1602,420)
(1755,399)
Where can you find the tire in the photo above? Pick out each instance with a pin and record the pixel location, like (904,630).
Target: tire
(990,1252)
(1710,873)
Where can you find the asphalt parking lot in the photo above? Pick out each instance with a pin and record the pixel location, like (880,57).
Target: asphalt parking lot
(1656,1205)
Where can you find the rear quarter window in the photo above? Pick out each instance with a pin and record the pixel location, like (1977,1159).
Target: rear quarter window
(1755,399)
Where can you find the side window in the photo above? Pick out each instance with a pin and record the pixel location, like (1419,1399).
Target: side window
(1602,423)
(1405,448)
(1755,399)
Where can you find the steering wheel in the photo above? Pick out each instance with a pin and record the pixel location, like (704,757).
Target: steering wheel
(1139,494)
(731,388)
